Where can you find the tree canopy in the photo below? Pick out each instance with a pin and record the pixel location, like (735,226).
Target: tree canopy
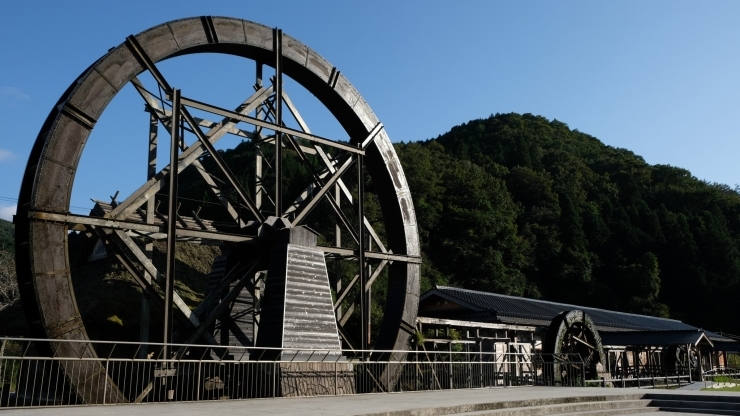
(521,205)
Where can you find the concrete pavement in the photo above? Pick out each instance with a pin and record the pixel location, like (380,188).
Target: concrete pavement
(364,404)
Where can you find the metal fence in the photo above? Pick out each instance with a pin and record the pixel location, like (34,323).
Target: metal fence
(652,382)
(728,375)
(34,373)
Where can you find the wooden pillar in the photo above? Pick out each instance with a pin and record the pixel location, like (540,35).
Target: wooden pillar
(338,242)
(169,284)
(258,176)
(149,246)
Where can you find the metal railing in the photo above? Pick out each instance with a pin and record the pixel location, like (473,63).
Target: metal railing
(652,379)
(729,375)
(651,382)
(36,372)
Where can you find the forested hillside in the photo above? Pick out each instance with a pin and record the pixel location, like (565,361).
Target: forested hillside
(520,205)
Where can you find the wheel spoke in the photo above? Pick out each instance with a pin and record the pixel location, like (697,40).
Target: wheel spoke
(223,305)
(126,245)
(153,231)
(318,177)
(270,126)
(317,197)
(348,252)
(222,165)
(330,168)
(120,252)
(140,54)
(368,285)
(192,153)
(162,116)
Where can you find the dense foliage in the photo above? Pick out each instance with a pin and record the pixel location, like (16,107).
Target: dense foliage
(520,205)
(8,283)
(6,236)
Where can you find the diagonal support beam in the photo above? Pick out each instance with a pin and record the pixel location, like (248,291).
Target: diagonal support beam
(331,169)
(354,280)
(223,305)
(222,165)
(327,186)
(140,54)
(318,181)
(163,116)
(270,126)
(372,135)
(151,187)
(120,251)
(216,190)
(317,178)
(347,315)
(76,222)
(124,242)
(225,281)
(345,292)
(345,336)
(375,274)
(390,256)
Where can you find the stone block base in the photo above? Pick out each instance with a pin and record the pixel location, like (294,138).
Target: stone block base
(316,379)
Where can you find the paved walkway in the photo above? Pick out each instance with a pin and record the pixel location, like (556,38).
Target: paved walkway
(697,386)
(343,405)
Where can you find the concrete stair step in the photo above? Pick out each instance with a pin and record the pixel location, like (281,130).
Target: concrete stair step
(486,408)
(595,407)
(695,397)
(696,404)
(693,411)
(610,412)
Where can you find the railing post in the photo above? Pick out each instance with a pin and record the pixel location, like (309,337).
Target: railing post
(583,373)
(388,377)
(451,382)
(336,380)
(105,386)
(198,382)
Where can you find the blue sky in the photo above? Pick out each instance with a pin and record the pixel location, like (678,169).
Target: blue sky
(661,78)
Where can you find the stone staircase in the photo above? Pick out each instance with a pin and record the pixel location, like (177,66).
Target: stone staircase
(696,403)
(597,405)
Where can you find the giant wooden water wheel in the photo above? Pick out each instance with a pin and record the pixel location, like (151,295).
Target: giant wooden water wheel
(338,174)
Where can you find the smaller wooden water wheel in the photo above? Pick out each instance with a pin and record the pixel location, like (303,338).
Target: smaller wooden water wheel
(680,359)
(570,335)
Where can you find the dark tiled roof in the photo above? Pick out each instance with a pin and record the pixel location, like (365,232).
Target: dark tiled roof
(733,346)
(690,336)
(515,309)
(722,342)
(719,337)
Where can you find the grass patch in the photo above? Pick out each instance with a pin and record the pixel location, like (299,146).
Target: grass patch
(725,379)
(735,389)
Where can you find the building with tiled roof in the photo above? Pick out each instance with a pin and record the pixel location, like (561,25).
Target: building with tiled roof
(633,344)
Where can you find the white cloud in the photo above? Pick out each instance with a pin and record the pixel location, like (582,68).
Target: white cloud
(6,155)
(7,212)
(11,96)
